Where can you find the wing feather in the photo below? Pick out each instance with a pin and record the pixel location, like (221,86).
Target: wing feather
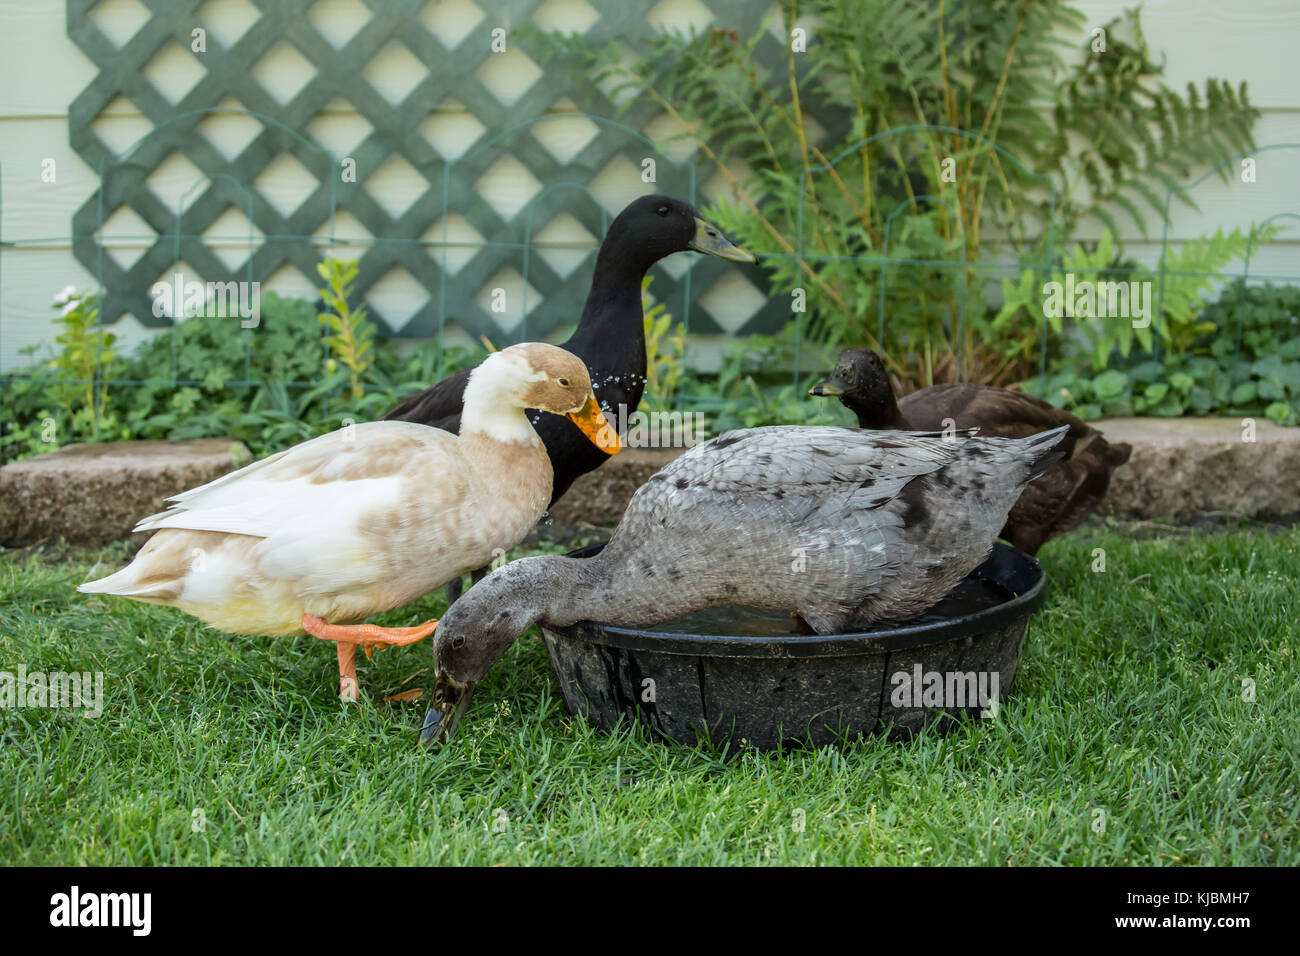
(781,461)
(306,485)
(439,405)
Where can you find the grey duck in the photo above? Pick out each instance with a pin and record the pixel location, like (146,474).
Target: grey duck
(843,527)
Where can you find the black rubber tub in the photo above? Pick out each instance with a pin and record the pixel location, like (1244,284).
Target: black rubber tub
(733,675)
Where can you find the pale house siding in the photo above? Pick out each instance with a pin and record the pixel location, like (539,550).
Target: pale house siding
(44,71)
(1254,41)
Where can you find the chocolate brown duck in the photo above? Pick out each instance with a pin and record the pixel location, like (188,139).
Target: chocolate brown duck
(1056,502)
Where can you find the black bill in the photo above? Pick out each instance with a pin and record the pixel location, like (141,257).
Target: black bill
(450,701)
(710,240)
(828,387)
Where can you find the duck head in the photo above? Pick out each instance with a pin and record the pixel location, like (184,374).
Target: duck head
(861,383)
(474,634)
(533,375)
(652,227)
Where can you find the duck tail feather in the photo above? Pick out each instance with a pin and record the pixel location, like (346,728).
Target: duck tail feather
(155,520)
(128,583)
(1041,455)
(1045,464)
(119,582)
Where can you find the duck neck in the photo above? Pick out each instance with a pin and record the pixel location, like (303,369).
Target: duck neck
(509,426)
(604,587)
(891,416)
(492,410)
(611,324)
(567,590)
(883,415)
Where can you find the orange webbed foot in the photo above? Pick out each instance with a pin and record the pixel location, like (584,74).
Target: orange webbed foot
(367,636)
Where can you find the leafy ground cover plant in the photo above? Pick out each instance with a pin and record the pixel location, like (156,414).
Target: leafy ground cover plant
(1247,363)
(268,387)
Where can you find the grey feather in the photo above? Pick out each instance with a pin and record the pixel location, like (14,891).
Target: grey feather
(843,526)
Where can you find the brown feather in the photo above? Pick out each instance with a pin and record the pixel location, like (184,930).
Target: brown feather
(1057,501)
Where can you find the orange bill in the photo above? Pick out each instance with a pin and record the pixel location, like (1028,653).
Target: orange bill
(593,424)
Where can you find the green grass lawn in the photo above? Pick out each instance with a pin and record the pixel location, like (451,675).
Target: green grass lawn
(1129,700)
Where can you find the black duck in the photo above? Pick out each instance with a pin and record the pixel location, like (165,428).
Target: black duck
(610,336)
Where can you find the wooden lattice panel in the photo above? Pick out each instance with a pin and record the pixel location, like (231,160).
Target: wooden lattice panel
(392,62)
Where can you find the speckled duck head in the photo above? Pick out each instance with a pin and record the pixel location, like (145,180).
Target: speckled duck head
(861,384)
(479,628)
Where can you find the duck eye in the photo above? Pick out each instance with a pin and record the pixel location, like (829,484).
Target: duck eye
(458,642)
(662,210)
(564,383)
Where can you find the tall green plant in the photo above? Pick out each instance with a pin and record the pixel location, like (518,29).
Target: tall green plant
(1006,71)
(1121,139)
(86,351)
(350,334)
(665,344)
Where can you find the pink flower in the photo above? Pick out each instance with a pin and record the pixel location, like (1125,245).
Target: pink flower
(68,307)
(64,294)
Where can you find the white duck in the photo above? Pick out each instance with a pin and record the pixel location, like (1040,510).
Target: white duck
(317,538)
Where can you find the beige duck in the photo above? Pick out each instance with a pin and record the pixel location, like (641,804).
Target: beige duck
(319,537)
